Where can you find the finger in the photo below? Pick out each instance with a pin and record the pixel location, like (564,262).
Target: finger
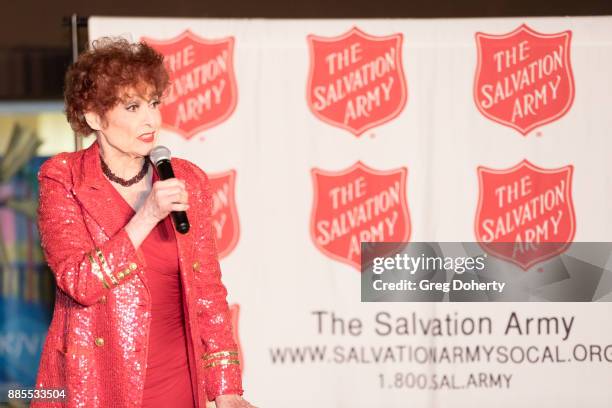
(177,198)
(179,207)
(168,192)
(170,204)
(164,190)
(184,197)
(179,188)
(180,183)
(171,182)
(163,183)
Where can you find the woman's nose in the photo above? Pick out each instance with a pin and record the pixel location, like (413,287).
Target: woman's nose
(152,116)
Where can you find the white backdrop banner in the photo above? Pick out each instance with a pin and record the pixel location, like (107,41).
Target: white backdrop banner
(321,134)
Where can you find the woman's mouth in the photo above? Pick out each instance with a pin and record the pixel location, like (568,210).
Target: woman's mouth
(147,137)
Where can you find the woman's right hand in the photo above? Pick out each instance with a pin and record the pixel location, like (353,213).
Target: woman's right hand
(165,196)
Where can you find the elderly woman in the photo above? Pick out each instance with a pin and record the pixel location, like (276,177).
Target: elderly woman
(140,317)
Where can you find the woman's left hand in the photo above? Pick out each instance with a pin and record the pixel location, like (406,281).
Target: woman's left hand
(232,401)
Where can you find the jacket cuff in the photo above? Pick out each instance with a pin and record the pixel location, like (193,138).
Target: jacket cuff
(115,261)
(223,374)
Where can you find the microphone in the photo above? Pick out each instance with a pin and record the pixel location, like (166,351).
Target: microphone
(160,156)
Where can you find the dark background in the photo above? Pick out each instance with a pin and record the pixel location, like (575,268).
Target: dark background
(35,44)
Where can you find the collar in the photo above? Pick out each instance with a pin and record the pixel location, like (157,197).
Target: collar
(90,174)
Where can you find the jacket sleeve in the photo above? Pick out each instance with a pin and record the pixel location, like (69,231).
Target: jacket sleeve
(83,271)
(221,363)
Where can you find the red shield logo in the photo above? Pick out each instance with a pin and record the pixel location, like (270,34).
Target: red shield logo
(235,313)
(224,213)
(524,79)
(203,91)
(356,81)
(357,205)
(527,207)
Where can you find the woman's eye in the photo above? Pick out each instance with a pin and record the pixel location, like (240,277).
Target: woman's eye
(132,108)
(155,103)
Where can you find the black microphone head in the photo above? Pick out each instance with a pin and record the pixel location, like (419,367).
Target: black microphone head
(159,153)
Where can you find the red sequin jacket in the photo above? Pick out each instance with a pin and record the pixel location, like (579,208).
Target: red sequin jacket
(96,348)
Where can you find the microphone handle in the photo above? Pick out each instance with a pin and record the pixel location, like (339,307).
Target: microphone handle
(181,223)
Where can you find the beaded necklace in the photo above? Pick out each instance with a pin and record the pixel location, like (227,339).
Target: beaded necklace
(125,183)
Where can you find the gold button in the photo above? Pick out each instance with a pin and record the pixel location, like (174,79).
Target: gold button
(120,275)
(127,272)
(196,266)
(103,299)
(99,341)
(133,266)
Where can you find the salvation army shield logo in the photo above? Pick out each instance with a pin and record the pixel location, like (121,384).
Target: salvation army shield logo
(356,81)
(224,213)
(524,78)
(357,205)
(525,214)
(203,91)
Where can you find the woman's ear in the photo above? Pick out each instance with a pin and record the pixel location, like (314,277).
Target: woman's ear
(93,120)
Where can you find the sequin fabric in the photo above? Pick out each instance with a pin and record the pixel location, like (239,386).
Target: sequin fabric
(96,347)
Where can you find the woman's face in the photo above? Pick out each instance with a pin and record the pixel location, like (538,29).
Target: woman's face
(131,126)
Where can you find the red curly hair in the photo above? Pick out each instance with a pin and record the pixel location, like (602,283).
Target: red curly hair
(96,81)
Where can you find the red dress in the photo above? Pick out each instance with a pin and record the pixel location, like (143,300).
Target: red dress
(167,380)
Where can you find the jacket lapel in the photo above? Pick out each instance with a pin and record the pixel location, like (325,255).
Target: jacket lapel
(184,242)
(95,193)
